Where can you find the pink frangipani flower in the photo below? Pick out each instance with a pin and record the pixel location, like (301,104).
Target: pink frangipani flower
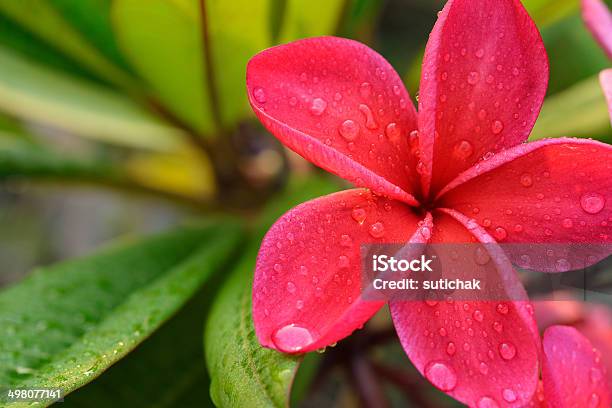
(598,19)
(455,172)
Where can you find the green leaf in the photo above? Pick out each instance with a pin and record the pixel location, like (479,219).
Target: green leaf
(546,12)
(573,53)
(142,380)
(237,30)
(579,111)
(163,41)
(309,18)
(43,20)
(36,93)
(22,157)
(92,19)
(65,324)
(243,373)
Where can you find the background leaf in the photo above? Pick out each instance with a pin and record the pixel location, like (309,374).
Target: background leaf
(244,373)
(163,41)
(579,111)
(42,19)
(34,92)
(95,310)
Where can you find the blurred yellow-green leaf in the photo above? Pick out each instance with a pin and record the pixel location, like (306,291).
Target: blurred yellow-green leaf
(304,18)
(36,93)
(164,42)
(579,111)
(41,18)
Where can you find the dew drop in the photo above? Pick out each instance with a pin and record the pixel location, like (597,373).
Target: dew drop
(483,368)
(500,233)
(259,94)
(594,400)
(498,327)
(377,230)
(497,127)
(502,308)
(365,89)
(293,101)
(393,132)
(303,270)
(509,395)
(426,232)
(478,316)
(487,402)
(526,180)
(299,304)
(592,203)
(292,338)
(451,349)
(441,375)
(480,53)
(349,130)
(481,256)
(343,262)
(318,106)
(507,351)
(291,287)
(473,78)
(562,265)
(463,150)
(346,241)
(359,215)
(369,117)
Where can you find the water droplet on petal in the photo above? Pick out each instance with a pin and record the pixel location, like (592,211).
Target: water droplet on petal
(502,308)
(451,349)
(393,132)
(507,350)
(567,223)
(299,304)
(594,401)
(365,89)
(292,338)
(480,53)
(349,130)
(359,215)
(509,395)
(478,316)
(487,402)
(303,270)
(473,78)
(369,117)
(481,256)
(483,368)
(343,262)
(498,327)
(500,233)
(426,232)
(346,241)
(592,203)
(291,287)
(463,150)
(497,127)
(318,106)
(526,180)
(259,94)
(562,265)
(441,375)
(377,230)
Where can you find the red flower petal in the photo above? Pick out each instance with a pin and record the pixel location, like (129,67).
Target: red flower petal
(484,78)
(571,371)
(483,353)
(598,19)
(307,288)
(605,78)
(556,192)
(340,105)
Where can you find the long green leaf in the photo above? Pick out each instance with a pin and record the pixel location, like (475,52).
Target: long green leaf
(142,380)
(41,18)
(243,373)
(579,111)
(20,157)
(34,92)
(163,41)
(66,324)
